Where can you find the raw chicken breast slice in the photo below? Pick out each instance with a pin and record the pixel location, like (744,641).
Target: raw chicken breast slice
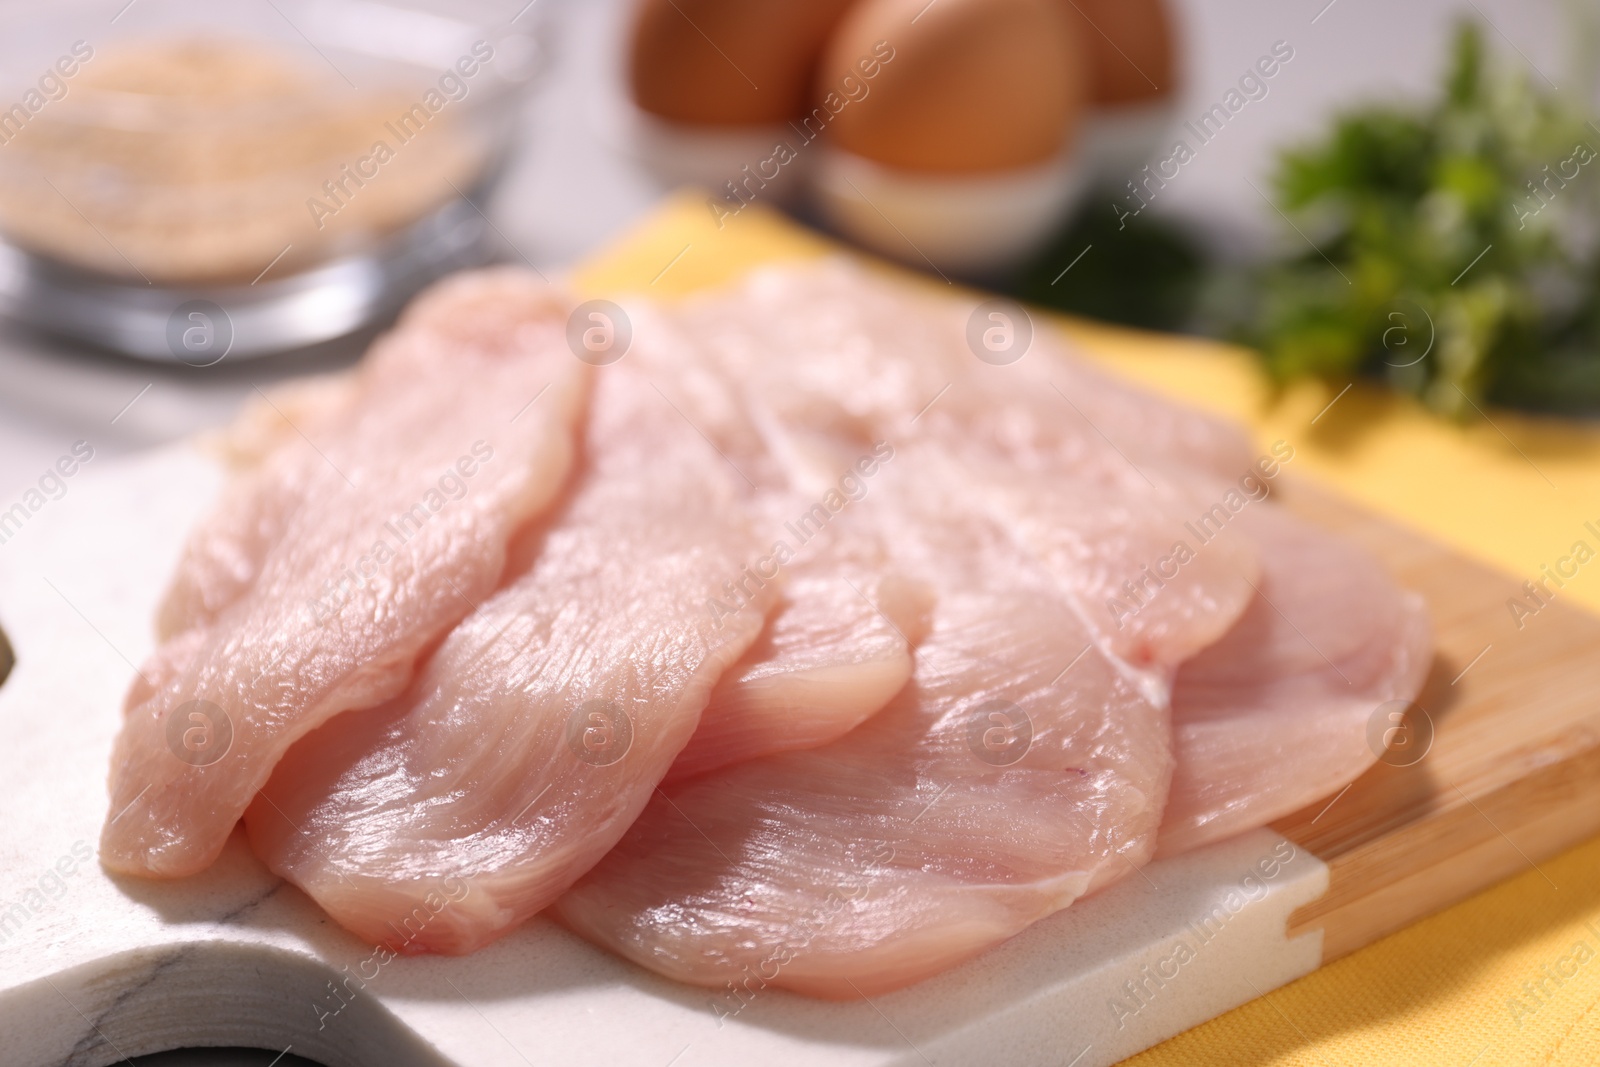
(221,555)
(1154,593)
(537,731)
(850,360)
(829,660)
(840,349)
(836,650)
(1276,714)
(1012,776)
(368,540)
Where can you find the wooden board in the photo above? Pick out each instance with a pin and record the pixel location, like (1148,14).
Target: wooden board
(1512,775)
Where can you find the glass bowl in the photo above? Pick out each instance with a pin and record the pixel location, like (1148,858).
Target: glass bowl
(187,180)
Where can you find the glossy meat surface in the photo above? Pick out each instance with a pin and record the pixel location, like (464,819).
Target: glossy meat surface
(994,790)
(1279,712)
(535,734)
(847,650)
(334,565)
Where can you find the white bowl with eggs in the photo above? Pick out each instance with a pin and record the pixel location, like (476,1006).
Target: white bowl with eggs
(735,162)
(1115,142)
(717,86)
(967,225)
(957,135)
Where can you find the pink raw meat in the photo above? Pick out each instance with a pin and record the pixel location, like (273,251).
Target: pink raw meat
(1011,777)
(535,734)
(1276,714)
(939,714)
(296,614)
(835,652)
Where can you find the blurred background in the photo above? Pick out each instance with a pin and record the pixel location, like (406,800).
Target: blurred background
(547,156)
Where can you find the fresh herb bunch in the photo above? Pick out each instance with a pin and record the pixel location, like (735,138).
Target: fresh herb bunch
(1451,249)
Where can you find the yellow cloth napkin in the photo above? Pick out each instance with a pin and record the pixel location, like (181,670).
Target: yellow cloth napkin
(1511,976)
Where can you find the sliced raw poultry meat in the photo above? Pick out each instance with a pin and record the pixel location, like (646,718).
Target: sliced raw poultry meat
(831,657)
(852,354)
(839,350)
(1010,777)
(483,312)
(277,416)
(942,714)
(537,731)
(1126,555)
(836,650)
(221,557)
(1276,714)
(854,360)
(224,554)
(343,557)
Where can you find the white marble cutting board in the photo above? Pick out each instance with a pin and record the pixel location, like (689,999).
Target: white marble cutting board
(94,969)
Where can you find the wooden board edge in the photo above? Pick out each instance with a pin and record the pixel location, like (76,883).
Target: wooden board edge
(1452,854)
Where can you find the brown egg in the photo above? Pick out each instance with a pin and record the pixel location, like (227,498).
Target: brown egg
(728,62)
(1129,44)
(955,86)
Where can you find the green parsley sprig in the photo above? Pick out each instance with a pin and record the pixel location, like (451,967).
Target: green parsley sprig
(1452,248)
